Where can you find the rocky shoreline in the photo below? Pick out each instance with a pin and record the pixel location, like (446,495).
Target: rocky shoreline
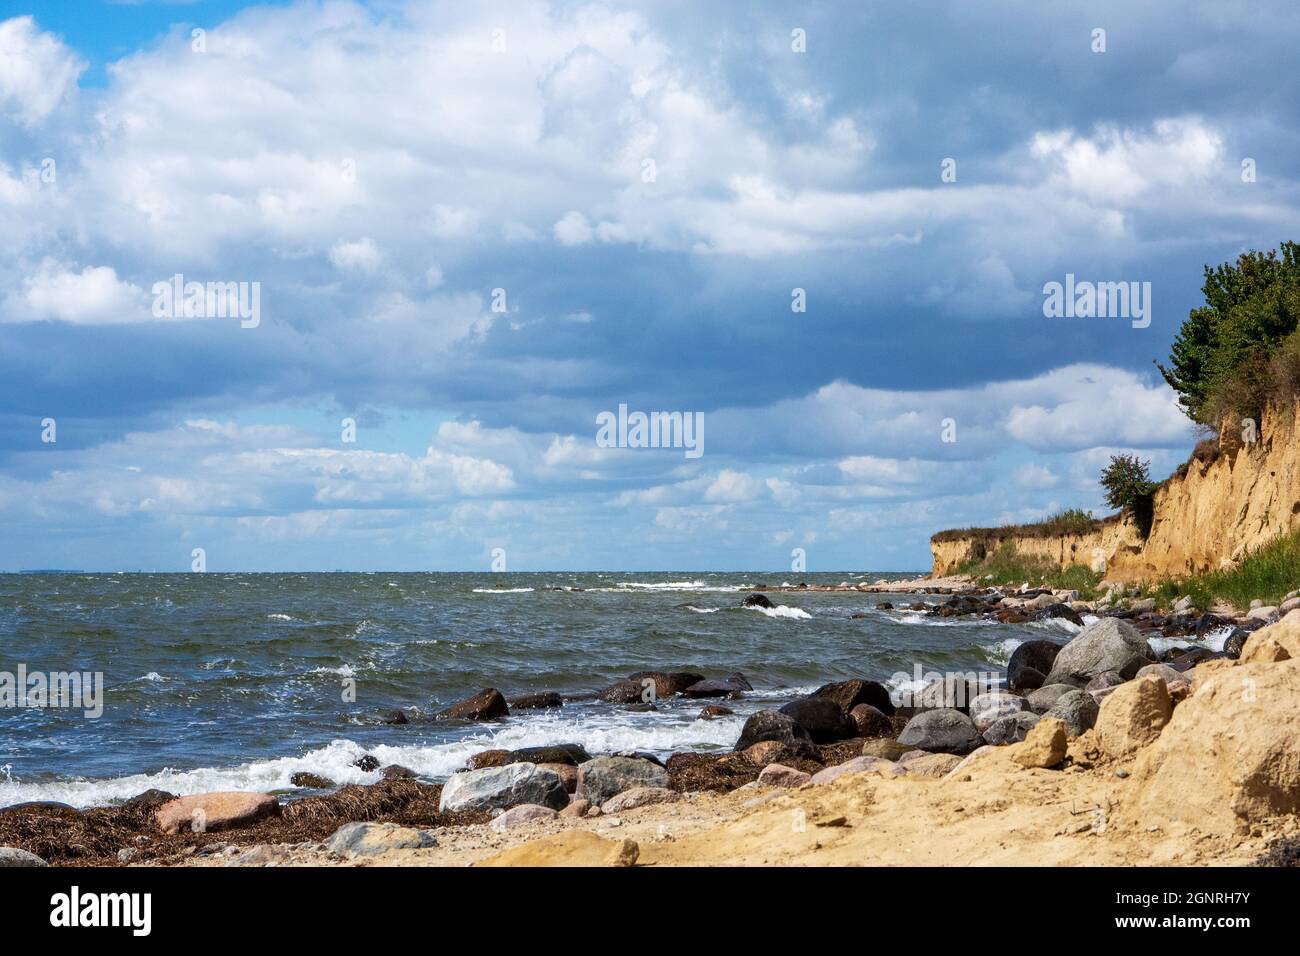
(1084,715)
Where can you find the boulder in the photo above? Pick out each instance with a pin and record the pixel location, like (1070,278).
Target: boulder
(1044,746)
(951,692)
(669,683)
(1235,643)
(310,781)
(1010,729)
(567,773)
(774,751)
(736,684)
(855,766)
(606,777)
(627,692)
(522,815)
(212,812)
(850,693)
(573,754)
(714,711)
(1054,610)
(152,798)
(354,840)
(1133,715)
(870,722)
(366,763)
(779,775)
(821,717)
(756,600)
(11,856)
(1165,672)
(883,747)
(1283,639)
(987,709)
(488,758)
(487,704)
(1109,644)
(772,725)
(1077,710)
(941,731)
(395,717)
(933,765)
(576,808)
(396,771)
(1041,700)
(1104,680)
(500,788)
(638,797)
(546,698)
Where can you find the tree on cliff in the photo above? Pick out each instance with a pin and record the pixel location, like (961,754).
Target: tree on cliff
(1128,485)
(1236,353)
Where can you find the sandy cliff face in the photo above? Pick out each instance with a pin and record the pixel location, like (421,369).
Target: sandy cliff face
(1206,518)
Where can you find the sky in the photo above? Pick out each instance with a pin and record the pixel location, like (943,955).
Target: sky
(472,230)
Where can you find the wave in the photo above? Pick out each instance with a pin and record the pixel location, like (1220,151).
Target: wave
(701,610)
(917,617)
(625,587)
(782,610)
(503,590)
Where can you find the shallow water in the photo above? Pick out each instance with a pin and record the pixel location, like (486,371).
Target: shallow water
(236,681)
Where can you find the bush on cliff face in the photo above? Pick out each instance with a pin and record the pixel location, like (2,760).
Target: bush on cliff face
(1229,358)
(1128,485)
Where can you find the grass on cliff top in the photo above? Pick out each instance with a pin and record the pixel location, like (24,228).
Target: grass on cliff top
(1071,521)
(1007,566)
(1267,575)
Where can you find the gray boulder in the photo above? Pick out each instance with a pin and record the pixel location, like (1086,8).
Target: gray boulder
(771,725)
(1078,709)
(1041,700)
(371,839)
(951,692)
(941,731)
(606,777)
(1010,729)
(1110,644)
(500,788)
(11,856)
(821,717)
(986,709)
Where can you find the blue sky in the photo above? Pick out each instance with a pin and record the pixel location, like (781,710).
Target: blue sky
(647,184)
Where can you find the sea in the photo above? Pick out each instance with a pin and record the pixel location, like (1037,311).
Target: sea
(237,681)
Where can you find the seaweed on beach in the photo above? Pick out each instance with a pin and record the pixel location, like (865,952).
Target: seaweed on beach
(1284,851)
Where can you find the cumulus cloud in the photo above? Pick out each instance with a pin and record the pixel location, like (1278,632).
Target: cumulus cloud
(37,71)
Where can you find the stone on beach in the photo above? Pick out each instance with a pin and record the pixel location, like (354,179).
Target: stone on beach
(1030,663)
(941,731)
(310,781)
(626,692)
(11,856)
(779,775)
(850,693)
(500,788)
(1277,642)
(713,711)
(354,840)
(1077,710)
(666,683)
(1041,700)
(576,808)
(986,709)
(951,692)
(1044,746)
(638,797)
(212,812)
(522,815)
(1109,644)
(487,704)
(1133,715)
(602,778)
(736,684)
(821,717)
(933,765)
(546,698)
(572,754)
(884,747)
(771,725)
(870,722)
(855,766)
(1010,729)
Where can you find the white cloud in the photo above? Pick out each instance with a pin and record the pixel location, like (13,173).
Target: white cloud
(361,255)
(92,296)
(36,71)
(573,230)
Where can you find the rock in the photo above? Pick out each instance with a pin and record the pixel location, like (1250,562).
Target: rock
(870,722)
(366,763)
(395,717)
(1165,672)
(735,684)
(638,797)
(11,856)
(667,684)
(850,693)
(821,717)
(1010,729)
(311,781)
(1054,610)
(521,815)
(1104,680)
(986,709)
(1145,606)
(354,840)
(779,775)
(1134,715)
(572,754)
(1026,678)
(1229,758)
(772,725)
(1045,745)
(542,699)
(1262,614)
(888,749)
(1287,606)
(212,812)
(941,731)
(1277,642)
(1183,605)
(567,773)
(605,777)
(1235,642)
(127,854)
(487,704)
(627,692)
(1041,700)
(488,758)
(855,766)
(574,847)
(396,772)
(713,711)
(1109,644)
(756,600)
(951,692)
(576,808)
(933,765)
(500,788)
(1077,710)
(153,798)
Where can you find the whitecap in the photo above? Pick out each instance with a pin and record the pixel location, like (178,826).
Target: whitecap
(502,590)
(781,610)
